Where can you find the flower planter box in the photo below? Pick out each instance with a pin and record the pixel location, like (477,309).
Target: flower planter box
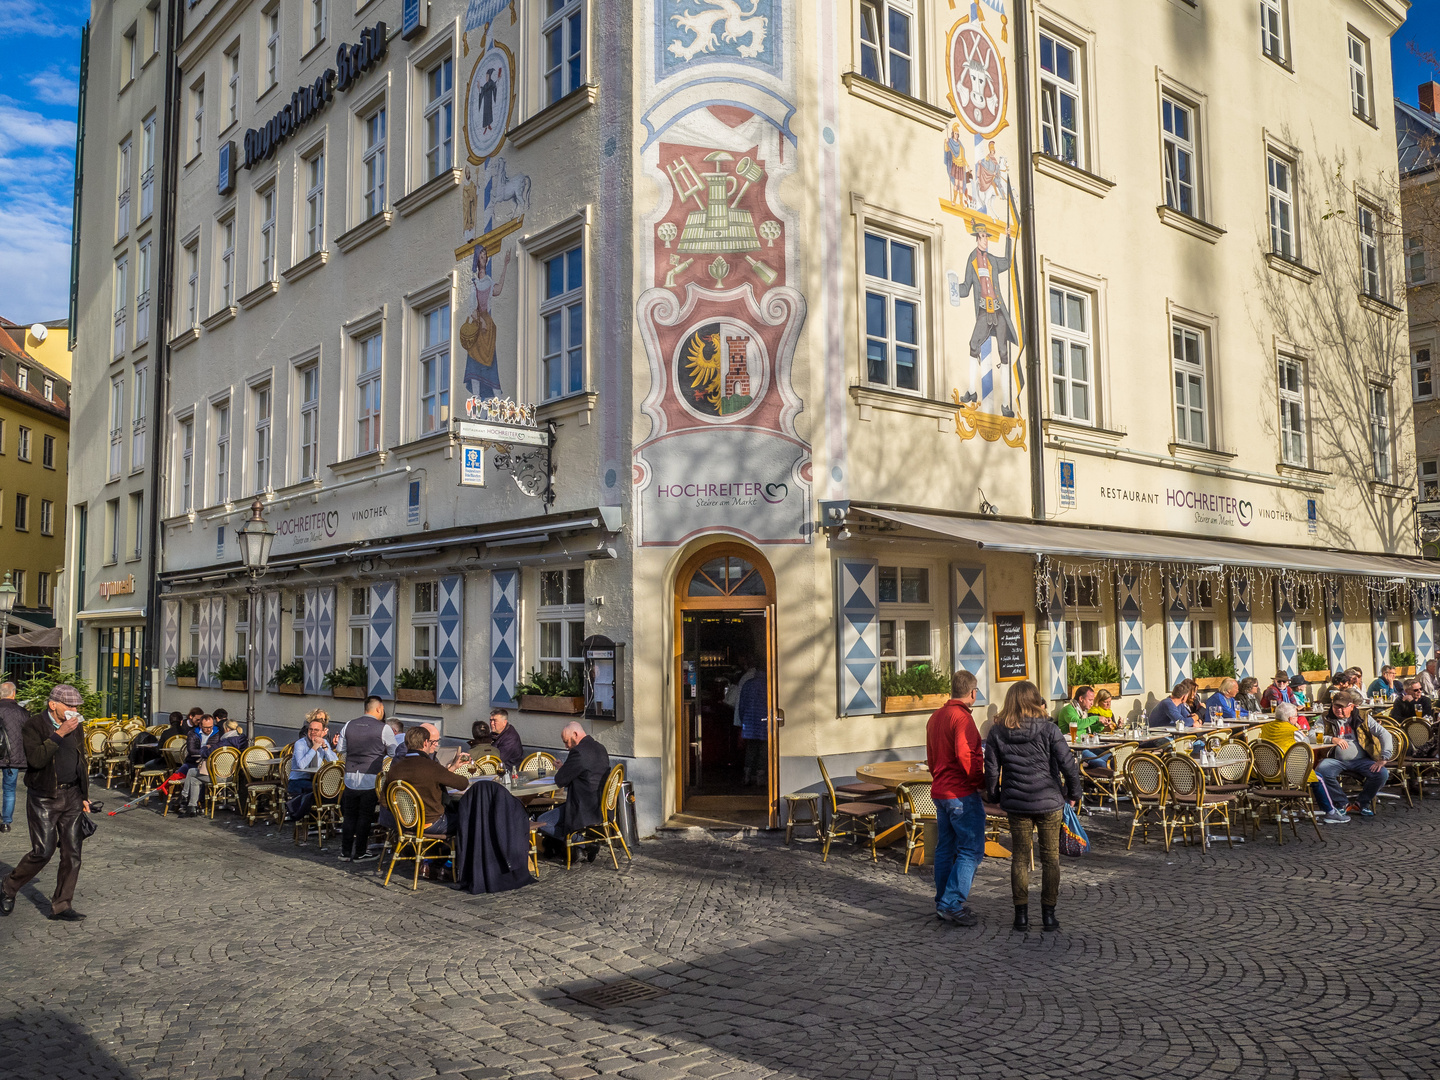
(1406,672)
(1113,687)
(1315,676)
(181,680)
(422,697)
(911,703)
(1212,682)
(233,684)
(356,692)
(569,706)
(290,688)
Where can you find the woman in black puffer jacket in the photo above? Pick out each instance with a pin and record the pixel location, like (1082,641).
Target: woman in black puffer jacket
(1025,757)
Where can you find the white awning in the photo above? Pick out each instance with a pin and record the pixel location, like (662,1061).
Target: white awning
(134,614)
(1033,539)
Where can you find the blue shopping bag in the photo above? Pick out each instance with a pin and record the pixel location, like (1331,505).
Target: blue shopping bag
(1073,838)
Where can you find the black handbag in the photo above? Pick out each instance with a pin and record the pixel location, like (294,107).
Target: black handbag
(87,827)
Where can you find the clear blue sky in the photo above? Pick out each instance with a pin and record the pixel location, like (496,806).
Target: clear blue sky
(37,140)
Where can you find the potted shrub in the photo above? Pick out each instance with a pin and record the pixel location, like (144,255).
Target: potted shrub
(1101,672)
(415,684)
(919,688)
(1403,660)
(185,673)
(1210,672)
(289,678)
(552,692)
(232,673)
(1313,667)
(349,681)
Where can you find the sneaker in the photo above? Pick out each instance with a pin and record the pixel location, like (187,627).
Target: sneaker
(1365,811)
(1334,817)
(344,858)
(1352,808)
(963,917)
(369,856)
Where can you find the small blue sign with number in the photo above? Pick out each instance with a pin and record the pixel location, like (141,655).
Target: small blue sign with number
(1067,485)
(472,466)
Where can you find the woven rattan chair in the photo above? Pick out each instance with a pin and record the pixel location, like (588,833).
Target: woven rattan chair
(1108,781)
(223,778)
(608,830)
(324,815)
(466,769)
(264,741)
(859,790)
(1399,763)
(412,840)
(1232,775)
(1275,790)
(1423,759)
(263,786)
(132,726)
(1191,806)
(534,760)
(488,765)
(1145,783)
(848,819)
(810,802)
(916,808)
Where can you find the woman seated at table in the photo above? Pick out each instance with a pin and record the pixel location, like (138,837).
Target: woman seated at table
(1104,710)
(1249,696)
(1301,691)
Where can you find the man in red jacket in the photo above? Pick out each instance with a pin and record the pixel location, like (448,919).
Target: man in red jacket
(957,766)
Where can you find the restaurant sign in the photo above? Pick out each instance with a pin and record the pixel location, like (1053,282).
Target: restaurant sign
(124,587)
(1210,509)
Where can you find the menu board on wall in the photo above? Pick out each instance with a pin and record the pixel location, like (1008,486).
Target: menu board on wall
(1011,658)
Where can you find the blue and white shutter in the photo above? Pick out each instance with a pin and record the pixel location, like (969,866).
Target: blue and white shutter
(1335,625)
(1422,626)
(1380,626)
(1242,633)
(202,660)
(311,656)
(1059,674)
(1287,642)
(271,641)
(380,640)
(449,625)
(1178,646)
(504,635)
(1132,634)
(970,630)
(170,638)
(324,618)
(857,604)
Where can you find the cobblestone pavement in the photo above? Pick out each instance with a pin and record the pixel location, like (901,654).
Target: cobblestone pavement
(213,950)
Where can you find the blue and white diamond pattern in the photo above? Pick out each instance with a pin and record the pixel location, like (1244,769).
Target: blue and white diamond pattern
(1241,630)
(1380,629)
(380,640)
(447,651)
(1177,628)
(1335,625)
(857,597)
(1422,627)
(1132,633)
(1055,611)
(203,663)
(504,635)
(313,674)
(170,639)
(324,634)
(970,629)
(1287,648)
(272,637)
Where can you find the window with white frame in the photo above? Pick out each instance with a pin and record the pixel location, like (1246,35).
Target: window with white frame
(439,118)
(1417,270)
(138,405)
(47,451)
(297,627)
(22,444)
(1280,184)
(261,400)
(562,323)
(435,369)
(905,617)
(1294,444)
(563,47)
(1274,31)
(142,292)
(232,85)
(1372,275)
(1084,628)
(22,513)
(122,194)
(137,523)
(270,23)
(1081,591)
(112,531)
(1422,382)
(242,626)
(1188,364)
(186,440)
(1061,115)
(197,118)
(1358,52)
(147,168)
(43,598)
(47,518)
(894,301)
(315,201)
(372,163)
(308,380)
(192,284)
(22,377)
(48,391)
(122,303)
(359,622)
(314,22)
(424,631)
(1200,601)
(1071,347)
(561,617)
(1180,148)
(367,393)
(222,452)
(1380,446)
(227,262)
(1427,471)
(129,57)
(887,44)
(117,424)
(153,14)
(194,631)
(267,235)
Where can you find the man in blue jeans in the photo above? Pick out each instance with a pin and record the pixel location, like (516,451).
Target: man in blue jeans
(13,717)
(957,769)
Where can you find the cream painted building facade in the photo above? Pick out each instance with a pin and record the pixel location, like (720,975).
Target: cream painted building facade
(872,335)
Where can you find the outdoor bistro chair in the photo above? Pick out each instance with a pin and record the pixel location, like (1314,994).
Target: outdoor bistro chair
(117,755)
(174,754)
(1191,805)
(608,831)
(533,761)
(848,819)
(95,748)
(916,808)
(412,837)
(488,765)
(1107,781)
(264,741)
(222,770)
(1283,787)
(1232,768)
(1399,763)
(325,813)
(1145,781)
(858,790)
(1423,760)
(262,785)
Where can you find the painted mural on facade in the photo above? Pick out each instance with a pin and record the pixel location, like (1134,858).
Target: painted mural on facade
(719,319)
(980,192)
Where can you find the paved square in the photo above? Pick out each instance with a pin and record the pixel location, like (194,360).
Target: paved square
(216,951)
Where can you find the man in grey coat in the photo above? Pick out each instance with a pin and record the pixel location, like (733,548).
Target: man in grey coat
(13,718)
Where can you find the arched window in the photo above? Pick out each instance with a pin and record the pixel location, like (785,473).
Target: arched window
(727,575)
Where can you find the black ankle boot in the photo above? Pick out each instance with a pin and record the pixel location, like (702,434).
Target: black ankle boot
(1048,920)
(1022,917)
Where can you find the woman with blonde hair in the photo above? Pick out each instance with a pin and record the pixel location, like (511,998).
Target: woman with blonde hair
(1025,756)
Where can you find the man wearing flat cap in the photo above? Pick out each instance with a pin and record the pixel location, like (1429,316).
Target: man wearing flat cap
(57,781)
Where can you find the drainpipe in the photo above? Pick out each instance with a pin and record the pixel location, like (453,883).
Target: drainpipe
(1030,316)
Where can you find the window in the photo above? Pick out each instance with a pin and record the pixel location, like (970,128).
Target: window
(297,628)
(1380,432)
(1070,345)
(1416,271)
(887,50)
(129,60)
(267,234)
(315,202)
(905,638)
(262,438)
(138,406)
(47,518)
(147,168)
(359,623)
(222,452)
(48,389)
(1179,151)
(23,444)
(17,578)
(22,377)
(271,23)
(187,465)
(435,370)
(2,435)
(893,299)
(562,621)
(1421,375)
(1359,54)
(1372,280)
(227,262)
(242,627)
(122,212)
(309,377)
(1060,115)
(1188,364)
(562,324)
(232,86)
(1202,638)
(47,451)
(197,119)
(1083,637)
(1428,471)
(142,293)
(423,615)
(137,523)
(1081,591)
(42,590)
(194,632)
(22,513)
(122,293)
(154,13)
(117,424)
(439,119)
(1280,180)
(367,394)
(563,35)
(1293,448)
(372,164)
(192,283)
(1273,30)
(314,23)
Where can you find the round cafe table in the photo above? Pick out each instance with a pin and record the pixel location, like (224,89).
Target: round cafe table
(894,773)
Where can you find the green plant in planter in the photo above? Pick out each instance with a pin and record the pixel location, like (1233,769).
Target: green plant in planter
(550,684)
(1310,660)
(35,691)
(1092,671)
(1212,667)
(918,680)
(354,673)
(233,670)
(415,679)
(185,669)
(291,674)
(1402,658)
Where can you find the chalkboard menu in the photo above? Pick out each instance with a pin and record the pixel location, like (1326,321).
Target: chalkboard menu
(1011,658)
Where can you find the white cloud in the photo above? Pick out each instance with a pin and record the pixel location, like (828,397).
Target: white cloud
(55,87)
(31,17)
(36,184)
(21,129)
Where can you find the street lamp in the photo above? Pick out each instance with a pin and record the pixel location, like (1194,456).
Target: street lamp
(255,538)
(8,593)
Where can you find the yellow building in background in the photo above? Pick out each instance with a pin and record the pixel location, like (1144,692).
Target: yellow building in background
(48,342)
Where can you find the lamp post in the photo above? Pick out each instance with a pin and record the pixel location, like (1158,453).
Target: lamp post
(255,538)
(8,593)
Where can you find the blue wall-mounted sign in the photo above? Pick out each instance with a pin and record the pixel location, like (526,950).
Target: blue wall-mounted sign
(414,18)
(227,168)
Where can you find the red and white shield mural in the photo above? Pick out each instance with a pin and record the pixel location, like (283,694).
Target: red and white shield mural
(978,87)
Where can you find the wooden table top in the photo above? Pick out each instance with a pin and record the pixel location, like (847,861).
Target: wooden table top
(893,773)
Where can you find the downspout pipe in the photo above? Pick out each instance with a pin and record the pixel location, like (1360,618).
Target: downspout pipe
(1030,317)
